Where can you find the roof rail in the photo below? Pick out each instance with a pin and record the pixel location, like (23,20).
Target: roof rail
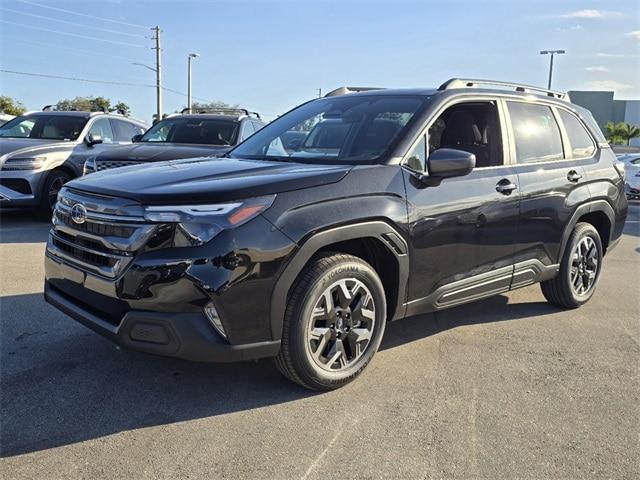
(518,87)
(223,111)
(346,90)
(47,108)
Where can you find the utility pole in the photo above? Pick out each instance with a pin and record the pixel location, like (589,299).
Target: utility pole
(552,53)
(191,57)
(158,70)
(319,93)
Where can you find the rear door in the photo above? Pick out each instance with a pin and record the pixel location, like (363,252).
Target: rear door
(462,231)
(551,180)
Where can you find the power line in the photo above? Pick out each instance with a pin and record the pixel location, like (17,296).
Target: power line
(73,34)
(74,50)
(107,30)
(75,79)
(83,14)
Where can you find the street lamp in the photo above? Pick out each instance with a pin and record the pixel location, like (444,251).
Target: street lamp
(552,53)
(191,56)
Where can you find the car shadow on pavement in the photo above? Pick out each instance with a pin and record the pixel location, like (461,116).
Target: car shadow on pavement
(21,226)
(62,384)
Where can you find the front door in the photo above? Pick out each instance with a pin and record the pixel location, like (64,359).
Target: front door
(462,231)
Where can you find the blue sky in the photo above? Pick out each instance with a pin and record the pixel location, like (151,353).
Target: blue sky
(271,55)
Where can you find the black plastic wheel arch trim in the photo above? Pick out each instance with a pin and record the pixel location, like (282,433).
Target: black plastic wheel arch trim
(374,229)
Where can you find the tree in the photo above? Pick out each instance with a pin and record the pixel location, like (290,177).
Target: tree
(92,104)
(196,107)
(11,106)
(613,133)
(122,108)
(628,132)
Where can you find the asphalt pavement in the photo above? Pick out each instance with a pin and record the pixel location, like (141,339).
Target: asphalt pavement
(508,387)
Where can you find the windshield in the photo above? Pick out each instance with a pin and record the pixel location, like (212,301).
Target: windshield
(350,129)
(205,131)
(44,127)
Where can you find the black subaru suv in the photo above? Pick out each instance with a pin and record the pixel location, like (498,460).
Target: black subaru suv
(205,133)
(396,202)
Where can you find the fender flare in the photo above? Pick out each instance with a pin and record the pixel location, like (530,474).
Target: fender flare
(589,207)
(379,230)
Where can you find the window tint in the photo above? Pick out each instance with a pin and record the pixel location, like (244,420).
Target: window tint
(536,132)
(102,128)
(473,127)
(417,158)
(44,126)
(124,131)
(349,128)
(206,131)
(581,143)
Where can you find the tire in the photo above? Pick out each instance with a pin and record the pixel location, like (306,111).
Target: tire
(561,290)
(328,340)
(54,181)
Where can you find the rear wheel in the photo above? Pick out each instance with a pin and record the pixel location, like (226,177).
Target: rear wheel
(49,194)
(334,322)
(579,269)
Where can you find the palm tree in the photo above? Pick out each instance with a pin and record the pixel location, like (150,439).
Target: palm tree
(627,131)
(612,132)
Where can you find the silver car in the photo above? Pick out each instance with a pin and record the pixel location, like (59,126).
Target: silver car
(41,151)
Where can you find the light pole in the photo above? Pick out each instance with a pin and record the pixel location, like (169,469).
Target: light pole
(191,56)
(552,53)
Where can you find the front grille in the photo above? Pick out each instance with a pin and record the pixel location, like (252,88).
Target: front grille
(109,164)
(83,255)
(110,233)
(102,229)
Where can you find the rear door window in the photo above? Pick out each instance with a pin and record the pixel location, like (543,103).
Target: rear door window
(582,145)
(536,132)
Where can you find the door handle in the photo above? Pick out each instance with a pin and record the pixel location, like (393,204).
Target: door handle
(505,186)
(573,176)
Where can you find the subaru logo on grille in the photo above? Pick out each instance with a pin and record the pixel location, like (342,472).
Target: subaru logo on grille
(78,213)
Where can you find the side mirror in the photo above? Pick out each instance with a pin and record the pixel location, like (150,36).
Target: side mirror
(92,140)
(448,162)
(295,144)
(136,138)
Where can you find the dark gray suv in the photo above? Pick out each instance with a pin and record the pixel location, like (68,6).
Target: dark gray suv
(209,133)
(41,151)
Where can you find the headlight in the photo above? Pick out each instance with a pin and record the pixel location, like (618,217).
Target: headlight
(25,163)
(197,224)
(89,165)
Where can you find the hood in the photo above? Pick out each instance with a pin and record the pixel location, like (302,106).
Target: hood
(207,180)
(31,145)
(158,152)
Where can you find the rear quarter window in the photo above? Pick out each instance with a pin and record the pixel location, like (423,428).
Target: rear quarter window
(582,145)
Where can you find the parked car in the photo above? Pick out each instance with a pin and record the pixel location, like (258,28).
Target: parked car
(421,200)
(41,151)
(208,133)
(631,163)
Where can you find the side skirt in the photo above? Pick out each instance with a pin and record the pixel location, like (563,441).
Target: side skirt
(483,285)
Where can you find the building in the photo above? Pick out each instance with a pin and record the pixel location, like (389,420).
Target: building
(607,109)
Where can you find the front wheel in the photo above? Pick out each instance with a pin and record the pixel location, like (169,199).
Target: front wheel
(334,322)
(49,194)
(579,269)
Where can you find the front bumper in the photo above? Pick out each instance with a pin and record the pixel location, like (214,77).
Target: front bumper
(182,335)
(20,188)
(156,303)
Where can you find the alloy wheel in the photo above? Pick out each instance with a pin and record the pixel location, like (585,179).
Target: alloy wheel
(54,188)
(341,325)
(584,266)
